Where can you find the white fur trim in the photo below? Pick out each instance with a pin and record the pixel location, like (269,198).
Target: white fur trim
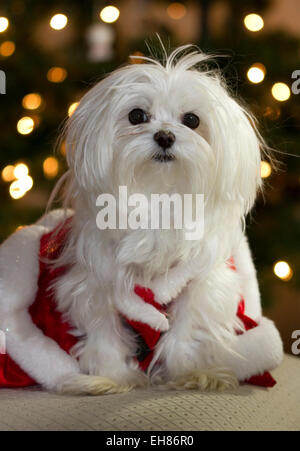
(19,269)
(38,355)
(258,350)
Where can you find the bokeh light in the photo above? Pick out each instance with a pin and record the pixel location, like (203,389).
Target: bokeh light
(265,169)
(22,180)
(32,101)
(176,10)
(26,183)
(57,74)
(7,173)
(16,190)
(7,48)
(283,270)
(20,187)
(21,170)
(4,23)
(253,22)
(25,125)
(109,14)
(281,92)
(256,73)
(58,21)
(50,167)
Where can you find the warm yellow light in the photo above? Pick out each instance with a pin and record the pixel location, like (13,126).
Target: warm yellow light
(176,11)
(25,125)
(26,183)
(265,169)
(7,48)
(72,108)
(58,22)
(50,167)
(256,73)
(23,183)
(109,14)
(32,101)
(56,74)
(4,23)
(21,170)
(7,173)
(253,22)
(16,190)
(281,92)
(283,270)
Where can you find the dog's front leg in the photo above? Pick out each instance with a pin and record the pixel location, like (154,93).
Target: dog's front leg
(203,349)
(106,363)
(107,352)
(106,358)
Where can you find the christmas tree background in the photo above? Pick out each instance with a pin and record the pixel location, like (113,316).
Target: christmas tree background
(57,66)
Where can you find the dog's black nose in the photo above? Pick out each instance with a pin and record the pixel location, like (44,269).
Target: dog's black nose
(165,138)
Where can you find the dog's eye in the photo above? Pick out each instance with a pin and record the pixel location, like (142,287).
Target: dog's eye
(138,116)
(191,120)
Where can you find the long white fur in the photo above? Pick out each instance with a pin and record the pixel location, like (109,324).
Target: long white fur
(221,159)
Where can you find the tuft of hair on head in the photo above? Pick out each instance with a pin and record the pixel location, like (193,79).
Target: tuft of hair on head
(185,57)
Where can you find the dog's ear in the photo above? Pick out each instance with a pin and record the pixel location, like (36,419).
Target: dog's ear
(237,146)
(89,136)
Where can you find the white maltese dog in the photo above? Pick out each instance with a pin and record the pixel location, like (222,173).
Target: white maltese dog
(146,305)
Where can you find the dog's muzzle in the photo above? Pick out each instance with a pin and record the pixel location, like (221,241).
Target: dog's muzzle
(165,139)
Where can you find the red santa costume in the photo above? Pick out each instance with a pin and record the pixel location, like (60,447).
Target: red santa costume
(49,320)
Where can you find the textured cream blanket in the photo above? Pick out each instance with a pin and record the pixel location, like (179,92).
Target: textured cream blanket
(249,408)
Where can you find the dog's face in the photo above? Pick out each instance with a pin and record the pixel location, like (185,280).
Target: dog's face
(167,129)
(161,133)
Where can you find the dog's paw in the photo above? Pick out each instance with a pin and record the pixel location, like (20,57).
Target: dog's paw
(213,379)
(164,290)
(81,384)
(163,324)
